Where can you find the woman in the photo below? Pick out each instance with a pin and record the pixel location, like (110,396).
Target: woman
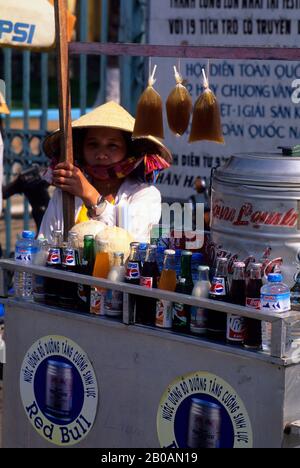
(111,175)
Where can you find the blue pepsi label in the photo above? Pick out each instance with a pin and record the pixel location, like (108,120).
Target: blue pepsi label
(218,287)
(69,258)
(54,257)
(133,270)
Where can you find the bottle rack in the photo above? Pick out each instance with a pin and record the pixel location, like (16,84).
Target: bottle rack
(280,321)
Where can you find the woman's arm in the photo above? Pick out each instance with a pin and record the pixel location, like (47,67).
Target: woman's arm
(70,178)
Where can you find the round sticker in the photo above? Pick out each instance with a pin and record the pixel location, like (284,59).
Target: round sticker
(59,390)
(201,410)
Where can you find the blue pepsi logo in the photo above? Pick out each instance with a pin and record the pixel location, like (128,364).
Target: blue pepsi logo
(133,271)
(218,288)
(54,257)
(69,257)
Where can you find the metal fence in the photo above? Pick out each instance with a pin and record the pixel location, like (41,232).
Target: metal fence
(29,73)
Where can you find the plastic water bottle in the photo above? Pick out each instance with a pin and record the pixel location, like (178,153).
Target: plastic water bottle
(275,297)
(26,249)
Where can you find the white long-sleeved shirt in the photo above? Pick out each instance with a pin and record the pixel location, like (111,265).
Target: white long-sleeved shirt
(137,208)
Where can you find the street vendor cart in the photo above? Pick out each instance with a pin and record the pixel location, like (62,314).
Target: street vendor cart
(77,379)
(138,386)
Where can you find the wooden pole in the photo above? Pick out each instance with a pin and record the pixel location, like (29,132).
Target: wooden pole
(64,95)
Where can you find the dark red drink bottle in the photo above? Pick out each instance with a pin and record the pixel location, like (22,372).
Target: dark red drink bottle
(235,324)
(253,336)
(70,262)
(216,321)
(145,306)
(52,286)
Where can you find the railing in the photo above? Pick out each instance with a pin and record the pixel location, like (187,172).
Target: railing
(281,322)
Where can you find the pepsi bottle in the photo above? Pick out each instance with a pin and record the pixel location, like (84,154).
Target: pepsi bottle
(145,306)
(70,262)
(133,266)
(217,321)
(54,261)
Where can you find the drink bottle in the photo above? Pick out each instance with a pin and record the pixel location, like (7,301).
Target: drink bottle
(167,282)
(54,261)
(253,338)
(70,263)
(235,324)
(113,304)
(275,296)
(182,312)
(199,314)
(86,268)
(145,306)
(133,265)
(101,270)
(219,291)
(25,251)
(40,259)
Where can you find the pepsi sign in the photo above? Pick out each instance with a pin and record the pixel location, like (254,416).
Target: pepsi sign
(21,32)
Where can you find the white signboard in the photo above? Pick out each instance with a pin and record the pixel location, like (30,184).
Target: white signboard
(257,109)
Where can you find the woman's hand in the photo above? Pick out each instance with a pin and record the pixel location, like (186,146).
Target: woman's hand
(69,178)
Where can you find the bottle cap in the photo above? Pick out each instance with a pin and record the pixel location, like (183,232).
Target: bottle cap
(135,245)
(203,268)
(186,253)
(28,235)
(143,246)
(89,237)
(170,252)
(118,254)
(255,266)
(239,265)
(274,278)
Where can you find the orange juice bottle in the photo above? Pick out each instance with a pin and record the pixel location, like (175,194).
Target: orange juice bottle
(101,270)
(167,282)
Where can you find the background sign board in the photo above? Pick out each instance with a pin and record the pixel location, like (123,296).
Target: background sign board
(258,102)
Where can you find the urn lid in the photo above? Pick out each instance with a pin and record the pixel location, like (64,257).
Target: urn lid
(268,169)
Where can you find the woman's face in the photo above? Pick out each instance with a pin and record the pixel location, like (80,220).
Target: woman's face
(104,146)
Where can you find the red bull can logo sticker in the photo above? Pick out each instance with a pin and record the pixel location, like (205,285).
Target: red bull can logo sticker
(201,410)
(59,390)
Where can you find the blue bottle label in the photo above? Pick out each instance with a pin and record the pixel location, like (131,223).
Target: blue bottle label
(276,302)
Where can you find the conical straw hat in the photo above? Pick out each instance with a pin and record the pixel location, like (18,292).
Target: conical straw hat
(108,115)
